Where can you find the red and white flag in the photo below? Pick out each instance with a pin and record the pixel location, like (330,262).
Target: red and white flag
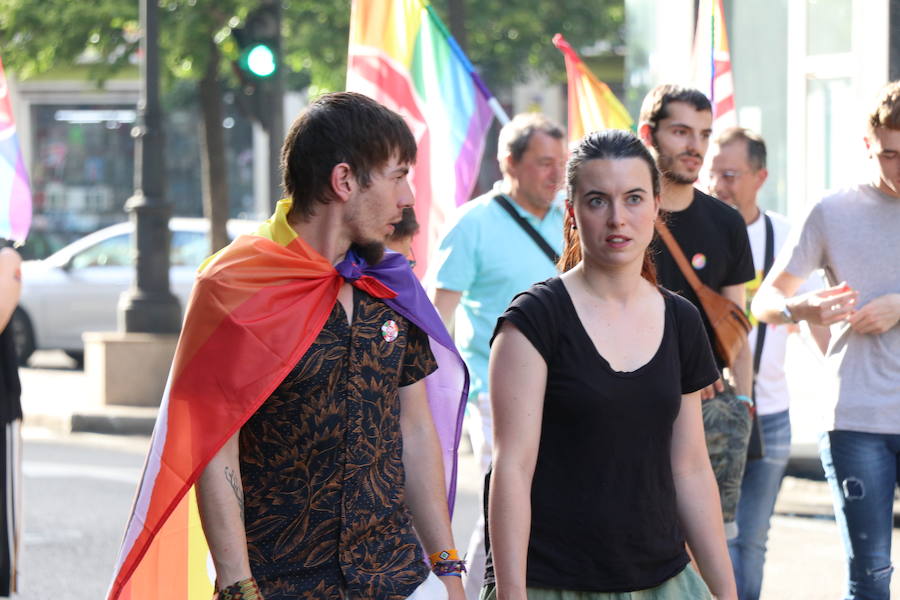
(712,63)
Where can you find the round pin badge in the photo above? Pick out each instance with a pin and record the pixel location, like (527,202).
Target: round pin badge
(699,260)
(389,330)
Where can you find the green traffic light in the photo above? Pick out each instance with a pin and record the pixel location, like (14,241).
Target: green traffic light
(261,60)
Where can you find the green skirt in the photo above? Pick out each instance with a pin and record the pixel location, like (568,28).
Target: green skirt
(687,585)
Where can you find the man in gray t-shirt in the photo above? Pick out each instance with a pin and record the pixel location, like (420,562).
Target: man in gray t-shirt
(854,235)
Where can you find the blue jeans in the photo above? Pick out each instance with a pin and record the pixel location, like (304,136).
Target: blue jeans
(863,470)
(759,488)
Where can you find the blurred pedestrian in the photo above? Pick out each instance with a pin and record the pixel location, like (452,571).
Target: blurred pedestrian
(11,417)
(497,246)
(600,472)
(402,237)
(676,124)
(852,234)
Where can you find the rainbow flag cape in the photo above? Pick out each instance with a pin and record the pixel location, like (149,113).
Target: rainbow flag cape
(15,191)
(592,105)
(712,63)
(402,55)
(257,306)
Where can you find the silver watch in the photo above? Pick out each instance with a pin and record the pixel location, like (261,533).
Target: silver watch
(788,315)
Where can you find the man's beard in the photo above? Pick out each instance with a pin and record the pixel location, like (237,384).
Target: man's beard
(371,252)
(666,163)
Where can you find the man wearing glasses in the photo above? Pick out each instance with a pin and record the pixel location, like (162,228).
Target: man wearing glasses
(737,173)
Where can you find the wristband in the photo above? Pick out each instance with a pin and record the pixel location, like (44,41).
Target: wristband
(454,568)
(452,554)
(745,399)
(245,589)
(788,315)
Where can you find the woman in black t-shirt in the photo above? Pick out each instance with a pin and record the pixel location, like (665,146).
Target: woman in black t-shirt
(600,469)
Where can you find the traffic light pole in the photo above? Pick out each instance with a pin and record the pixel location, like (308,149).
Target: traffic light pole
(149,306)
(275,125)
(261,71)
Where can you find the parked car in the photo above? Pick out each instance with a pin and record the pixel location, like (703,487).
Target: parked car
(77,288)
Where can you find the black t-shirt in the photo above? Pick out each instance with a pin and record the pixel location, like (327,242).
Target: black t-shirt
(714,240)
(603,510)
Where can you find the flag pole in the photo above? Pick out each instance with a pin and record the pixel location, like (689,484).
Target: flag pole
(712,54)
(470,68)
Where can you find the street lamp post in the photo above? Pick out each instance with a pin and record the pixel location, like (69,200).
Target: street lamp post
(149,306)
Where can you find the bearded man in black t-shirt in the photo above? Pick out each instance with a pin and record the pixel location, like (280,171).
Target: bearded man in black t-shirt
(676,124)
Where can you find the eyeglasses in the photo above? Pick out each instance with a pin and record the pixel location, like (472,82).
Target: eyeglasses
(728,175)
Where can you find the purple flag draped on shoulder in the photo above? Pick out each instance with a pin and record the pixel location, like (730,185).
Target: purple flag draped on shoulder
(448,386)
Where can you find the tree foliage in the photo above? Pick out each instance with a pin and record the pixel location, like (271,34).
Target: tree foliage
(507,40)
(39,36)
(104,34)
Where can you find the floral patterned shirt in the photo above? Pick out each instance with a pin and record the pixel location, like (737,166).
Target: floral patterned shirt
(322,469)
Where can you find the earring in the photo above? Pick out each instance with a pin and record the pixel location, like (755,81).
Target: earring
(574,226)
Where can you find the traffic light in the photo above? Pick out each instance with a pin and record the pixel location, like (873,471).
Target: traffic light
(259,41)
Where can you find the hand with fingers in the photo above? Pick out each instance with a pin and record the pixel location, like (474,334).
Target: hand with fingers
(710,391)
(876,316)
(826,306)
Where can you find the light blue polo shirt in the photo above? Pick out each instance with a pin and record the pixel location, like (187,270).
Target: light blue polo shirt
(487,256)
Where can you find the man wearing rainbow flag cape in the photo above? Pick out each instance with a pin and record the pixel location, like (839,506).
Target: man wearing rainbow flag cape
(313,411)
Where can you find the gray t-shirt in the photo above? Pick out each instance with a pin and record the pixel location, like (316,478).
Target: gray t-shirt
(854,235)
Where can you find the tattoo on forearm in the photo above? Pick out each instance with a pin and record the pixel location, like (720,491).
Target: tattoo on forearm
(232,479)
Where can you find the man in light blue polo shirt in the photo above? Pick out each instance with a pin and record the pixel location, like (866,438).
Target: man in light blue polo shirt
(487,257)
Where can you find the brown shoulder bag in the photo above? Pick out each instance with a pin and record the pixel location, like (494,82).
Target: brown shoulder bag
(728,320)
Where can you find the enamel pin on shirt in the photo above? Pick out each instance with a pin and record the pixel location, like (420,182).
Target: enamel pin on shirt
(389,330)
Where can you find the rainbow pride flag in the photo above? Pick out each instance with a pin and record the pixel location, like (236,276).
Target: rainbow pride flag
(15,191)
(711,63)
(592,105)
(257,306)
(402,55)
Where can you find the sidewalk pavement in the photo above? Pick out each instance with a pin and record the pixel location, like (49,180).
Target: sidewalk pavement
(58,397)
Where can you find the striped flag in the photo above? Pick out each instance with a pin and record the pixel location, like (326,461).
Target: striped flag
(15,191)
(592,105)
(402,55)
(712,63)
(257,306)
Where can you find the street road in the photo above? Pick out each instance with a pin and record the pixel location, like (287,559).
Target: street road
(78,492)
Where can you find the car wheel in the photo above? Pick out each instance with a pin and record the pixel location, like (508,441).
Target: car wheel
(23,335)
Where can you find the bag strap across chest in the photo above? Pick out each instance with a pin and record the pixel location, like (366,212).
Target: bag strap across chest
(680,259)
(503,201)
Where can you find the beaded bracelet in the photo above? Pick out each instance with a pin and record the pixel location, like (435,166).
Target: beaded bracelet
(454,568)
(245,589)
(751,405)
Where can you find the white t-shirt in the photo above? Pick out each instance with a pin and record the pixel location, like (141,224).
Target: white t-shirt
(771,385)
